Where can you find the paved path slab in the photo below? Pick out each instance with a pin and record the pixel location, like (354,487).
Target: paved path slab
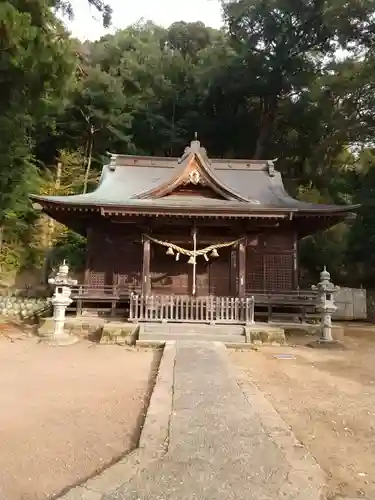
(218,446)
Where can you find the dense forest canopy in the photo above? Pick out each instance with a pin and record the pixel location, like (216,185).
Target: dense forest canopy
(286,79)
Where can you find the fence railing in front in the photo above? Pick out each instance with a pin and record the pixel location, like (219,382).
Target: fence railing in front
(181,308)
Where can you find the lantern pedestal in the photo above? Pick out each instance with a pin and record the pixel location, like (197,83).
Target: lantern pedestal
(327,344)
(61,340)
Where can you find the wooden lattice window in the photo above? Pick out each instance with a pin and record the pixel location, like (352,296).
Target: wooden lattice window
(254,271)
(278,270)
(97,279)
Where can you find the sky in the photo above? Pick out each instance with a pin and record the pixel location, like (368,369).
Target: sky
(87,22)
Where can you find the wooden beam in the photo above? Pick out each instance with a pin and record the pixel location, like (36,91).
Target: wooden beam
(88,255)
(242,268)
(146,283)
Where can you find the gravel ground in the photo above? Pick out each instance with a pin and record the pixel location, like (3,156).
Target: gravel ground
(65,413)
(328,399)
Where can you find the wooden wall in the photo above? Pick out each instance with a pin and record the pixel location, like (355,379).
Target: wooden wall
(115,256)
(271,262)
(169,276)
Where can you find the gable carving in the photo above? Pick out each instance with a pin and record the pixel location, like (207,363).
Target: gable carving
(193,175)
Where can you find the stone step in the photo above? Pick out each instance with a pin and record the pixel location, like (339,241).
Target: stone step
(192,328)
(242,346)
(150,343)
(164,337)
(230,345)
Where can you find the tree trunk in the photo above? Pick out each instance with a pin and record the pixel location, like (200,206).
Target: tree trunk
(89,158)
(47,229)
(266,126)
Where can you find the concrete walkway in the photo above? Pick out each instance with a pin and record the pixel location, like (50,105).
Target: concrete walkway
(224,441)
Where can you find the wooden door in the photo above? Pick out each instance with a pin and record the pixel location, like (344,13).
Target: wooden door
(167,275)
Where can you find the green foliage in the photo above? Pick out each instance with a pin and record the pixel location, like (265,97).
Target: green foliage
(71,247)
(361,240)
(35,66)
(70,178)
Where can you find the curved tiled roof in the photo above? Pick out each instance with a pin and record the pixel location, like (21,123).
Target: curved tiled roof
(249,186)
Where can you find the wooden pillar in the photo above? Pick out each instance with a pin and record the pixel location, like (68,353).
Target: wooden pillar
(295,261)
(233,272)
(242,268)
(146,283)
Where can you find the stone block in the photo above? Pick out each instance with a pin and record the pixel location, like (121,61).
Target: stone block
(302,329)
(121,334)
(264,334)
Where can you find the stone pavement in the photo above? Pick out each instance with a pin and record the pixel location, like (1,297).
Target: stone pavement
(224,441)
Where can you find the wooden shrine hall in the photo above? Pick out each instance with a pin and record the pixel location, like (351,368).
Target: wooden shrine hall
(191,238)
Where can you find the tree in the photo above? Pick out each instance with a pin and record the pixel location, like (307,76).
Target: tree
(98,113)
(361,239)
(287,44)
(35,67)
(188,38)
(55,241)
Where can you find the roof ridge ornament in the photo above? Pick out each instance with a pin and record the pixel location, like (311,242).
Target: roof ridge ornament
(271,167)
(112,161)
(195,145)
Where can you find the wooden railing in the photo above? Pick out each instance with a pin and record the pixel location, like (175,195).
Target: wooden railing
(280,305)
(90,291)
(285,297)
(269,305)
(181,308)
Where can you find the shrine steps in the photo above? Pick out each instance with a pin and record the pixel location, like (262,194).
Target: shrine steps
(258,333)
(163,332)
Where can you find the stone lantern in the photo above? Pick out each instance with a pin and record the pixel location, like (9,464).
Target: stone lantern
(60,301)
(326,305)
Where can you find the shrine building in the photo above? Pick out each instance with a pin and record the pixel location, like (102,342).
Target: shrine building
(173,230)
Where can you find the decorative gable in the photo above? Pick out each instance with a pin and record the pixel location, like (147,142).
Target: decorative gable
(193,171)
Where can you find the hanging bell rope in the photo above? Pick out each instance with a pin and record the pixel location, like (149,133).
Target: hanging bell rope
(212,249)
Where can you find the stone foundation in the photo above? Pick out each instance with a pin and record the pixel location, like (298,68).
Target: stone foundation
(122,333)
(119,333)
